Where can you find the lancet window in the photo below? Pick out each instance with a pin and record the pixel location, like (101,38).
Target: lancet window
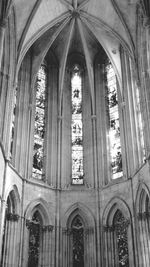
(39,126)
(113,123)
(34,240)
(78,242)
(77,127)
(121,225)
(13,124)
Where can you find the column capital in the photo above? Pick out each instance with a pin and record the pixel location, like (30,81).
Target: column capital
(3,23)
(12,217)
(48,228)
(143,215)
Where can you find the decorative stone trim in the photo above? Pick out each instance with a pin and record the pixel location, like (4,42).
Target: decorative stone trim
(112,228)
(3,23)
(48,228)
(143,216)
(44,228)
(86,231)
(12,217)
(107,228)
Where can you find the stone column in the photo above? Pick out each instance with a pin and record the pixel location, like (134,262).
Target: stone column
(4,14)
(110,248)
(64,247)
(22,119)
(51,126)
(144,238)
(9,255)
(45,260)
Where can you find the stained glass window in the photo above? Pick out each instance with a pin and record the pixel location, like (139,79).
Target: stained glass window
(77,128)
(114,126)
(34,241)
(78,242)
(121,225)
(13,124)
(39,126)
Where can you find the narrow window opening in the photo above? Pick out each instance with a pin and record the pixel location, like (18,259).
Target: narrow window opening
(77,127)
(78,242)
(39,126)
(34,240)
(13,125)
(114,126)
(121,226)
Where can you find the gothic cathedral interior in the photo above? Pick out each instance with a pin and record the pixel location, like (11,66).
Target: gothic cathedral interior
(74,133)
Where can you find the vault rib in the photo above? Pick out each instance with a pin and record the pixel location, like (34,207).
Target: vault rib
(63,62)
(88,63)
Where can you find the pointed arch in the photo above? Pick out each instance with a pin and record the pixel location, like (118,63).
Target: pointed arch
(41,206)
(78,235)
(81,210)
(142,193)
(118,233)
(13,194)
(111,209)
(143,221)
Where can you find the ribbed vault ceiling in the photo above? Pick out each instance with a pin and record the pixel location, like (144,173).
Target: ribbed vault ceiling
(69,26)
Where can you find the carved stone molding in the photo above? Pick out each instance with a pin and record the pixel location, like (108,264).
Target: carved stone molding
(48,228)
(44,228)
(86,231)
(143,216)
(12,217)
(108,229)
(112,228)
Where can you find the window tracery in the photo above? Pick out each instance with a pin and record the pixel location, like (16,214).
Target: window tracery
(34,240)
(121,225)
(78,242)
(114,125)
(77,127)
(39,126)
